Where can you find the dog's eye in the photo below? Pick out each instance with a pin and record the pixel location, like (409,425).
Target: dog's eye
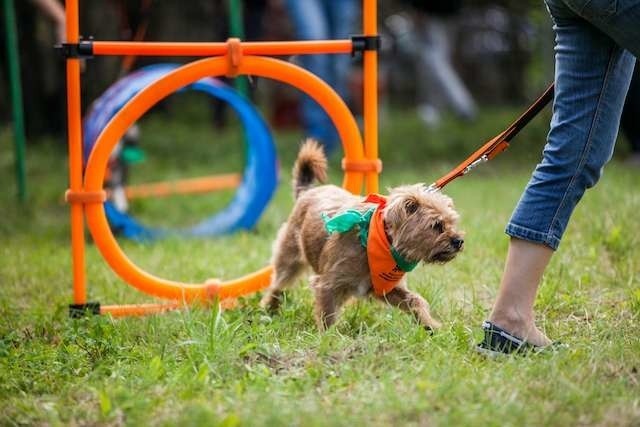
(410,207)
(438,227)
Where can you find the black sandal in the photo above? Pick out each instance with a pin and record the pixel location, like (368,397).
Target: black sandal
(498,342)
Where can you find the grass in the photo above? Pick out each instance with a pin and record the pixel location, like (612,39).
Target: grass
(376,367)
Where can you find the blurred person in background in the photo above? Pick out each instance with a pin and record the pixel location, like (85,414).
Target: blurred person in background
(54,11)
(41,25)
(323,20)
(594,61)
(425,34)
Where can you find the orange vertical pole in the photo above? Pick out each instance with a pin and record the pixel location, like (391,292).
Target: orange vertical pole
(370,28)
(75,156)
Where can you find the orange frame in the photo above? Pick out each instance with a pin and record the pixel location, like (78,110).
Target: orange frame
(86,192)
(203,184)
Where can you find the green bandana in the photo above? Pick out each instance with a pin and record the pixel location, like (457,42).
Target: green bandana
(346,221)
(404,264)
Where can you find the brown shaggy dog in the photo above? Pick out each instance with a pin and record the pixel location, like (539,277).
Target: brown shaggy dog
(420,225)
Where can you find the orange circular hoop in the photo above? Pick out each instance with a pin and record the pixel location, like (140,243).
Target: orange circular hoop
(137,106)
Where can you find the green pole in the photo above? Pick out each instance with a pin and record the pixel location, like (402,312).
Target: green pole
(237,30)
(16,97)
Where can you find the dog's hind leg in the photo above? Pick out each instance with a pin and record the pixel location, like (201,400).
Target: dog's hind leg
(328,302)
(287,266)
(413,303)
(326,307)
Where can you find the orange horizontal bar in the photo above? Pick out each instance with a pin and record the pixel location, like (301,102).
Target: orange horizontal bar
(184,186)
(138,309)
(220,48)
(125,310)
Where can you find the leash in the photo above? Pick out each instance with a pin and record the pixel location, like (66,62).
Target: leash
(497,144)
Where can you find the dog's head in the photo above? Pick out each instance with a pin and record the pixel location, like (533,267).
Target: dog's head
(422,225)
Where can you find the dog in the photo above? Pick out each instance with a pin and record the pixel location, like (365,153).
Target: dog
(419,225)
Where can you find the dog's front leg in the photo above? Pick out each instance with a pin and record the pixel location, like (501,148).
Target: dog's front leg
(413,303)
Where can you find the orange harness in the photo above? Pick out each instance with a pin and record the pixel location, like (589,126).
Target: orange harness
(386,265)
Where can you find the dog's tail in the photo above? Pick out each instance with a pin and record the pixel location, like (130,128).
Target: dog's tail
(310,165)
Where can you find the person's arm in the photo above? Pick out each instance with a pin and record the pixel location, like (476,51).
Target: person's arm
(55,11)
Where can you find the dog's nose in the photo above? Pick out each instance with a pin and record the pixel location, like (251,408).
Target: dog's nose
(457,242)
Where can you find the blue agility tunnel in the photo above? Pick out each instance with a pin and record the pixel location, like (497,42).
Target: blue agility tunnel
(259,179)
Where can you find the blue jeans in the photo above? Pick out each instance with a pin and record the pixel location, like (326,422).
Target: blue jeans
(317,20)
(595,44)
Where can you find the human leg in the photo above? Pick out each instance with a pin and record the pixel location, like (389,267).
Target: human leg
(440,82)
(343,15)
(592,78)
(311,23)
(513,309)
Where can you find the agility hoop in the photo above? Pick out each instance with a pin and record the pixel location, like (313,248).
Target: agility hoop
(253,191)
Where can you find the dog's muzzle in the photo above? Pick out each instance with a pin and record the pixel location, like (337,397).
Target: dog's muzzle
(457,243)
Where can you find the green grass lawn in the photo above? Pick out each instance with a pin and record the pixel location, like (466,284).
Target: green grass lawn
(376,366)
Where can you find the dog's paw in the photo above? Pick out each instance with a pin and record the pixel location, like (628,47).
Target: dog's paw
(432,326)
(271,301)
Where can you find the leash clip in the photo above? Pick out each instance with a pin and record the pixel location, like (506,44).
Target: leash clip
(432,188)
(482,159)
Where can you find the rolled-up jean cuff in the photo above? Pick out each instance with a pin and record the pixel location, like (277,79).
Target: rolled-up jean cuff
(530,235)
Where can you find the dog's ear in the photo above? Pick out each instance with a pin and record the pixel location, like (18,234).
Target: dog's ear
(399,207)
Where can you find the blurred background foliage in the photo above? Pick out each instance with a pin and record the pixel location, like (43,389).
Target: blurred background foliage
(502,51)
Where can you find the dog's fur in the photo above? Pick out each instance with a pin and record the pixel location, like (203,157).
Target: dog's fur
(421,226)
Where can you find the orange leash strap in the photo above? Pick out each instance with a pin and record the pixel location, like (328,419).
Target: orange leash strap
(497,144)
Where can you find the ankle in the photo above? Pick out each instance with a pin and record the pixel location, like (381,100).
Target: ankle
(511,320)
